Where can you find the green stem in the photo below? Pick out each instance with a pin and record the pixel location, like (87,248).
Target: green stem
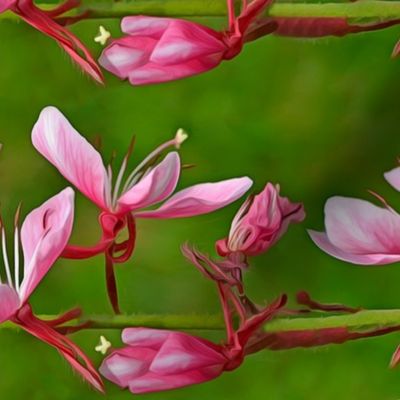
(361,321)
(217,8)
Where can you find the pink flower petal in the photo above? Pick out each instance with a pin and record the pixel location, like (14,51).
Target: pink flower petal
(393,177)
(200,199)
(76,159)
(44,235)
(9,302)
(322,241)
(155,186)
(184,41)
(127,364)
(6,4)
(125,54)
(145,337)
(152,382)
(141,25)
(155,73)
(359,227)
(182,353)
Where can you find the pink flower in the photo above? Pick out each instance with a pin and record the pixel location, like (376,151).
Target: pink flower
(157,360)
(77,160)
(260,223)
(45,21)
(158,50)
(44,234)
(360,232)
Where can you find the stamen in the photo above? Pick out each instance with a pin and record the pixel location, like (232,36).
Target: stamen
(5,257)
(16,246)
(109,186)
(122,170)
(103,36)
(16,258)
(103,346)
(179,138)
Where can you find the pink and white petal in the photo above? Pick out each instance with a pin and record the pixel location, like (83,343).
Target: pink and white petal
(184,41)
(156,186)
(393,177)
(181,353)
(9,302)
(142,25)
(359,227)
(125,54)
(322,241)
(6,4)
(200,199)
(145,337)
(44,235)
(76,159)
(152,382)
(156,73)
(127,364)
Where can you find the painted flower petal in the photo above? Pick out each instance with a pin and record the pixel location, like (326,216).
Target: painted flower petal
(140,25)
(393,177)
(155,73)
(127,364)
(359,227)
(200,199)
(126,54)
(182,353)
(145,337)
(6,4)
(76,159)
(152,382)
(9,302)
(322,241)
(44,235)
(184,41)
(156,186)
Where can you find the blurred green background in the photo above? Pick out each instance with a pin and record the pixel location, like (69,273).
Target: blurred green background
(319,117)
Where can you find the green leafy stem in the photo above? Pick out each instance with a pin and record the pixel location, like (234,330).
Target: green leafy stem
(382,10)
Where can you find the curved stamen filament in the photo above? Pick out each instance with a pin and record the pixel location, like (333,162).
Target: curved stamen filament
(16,258)
(175,142)
(5,257)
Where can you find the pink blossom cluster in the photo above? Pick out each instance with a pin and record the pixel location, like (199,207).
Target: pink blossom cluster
(152,360)
(156,49)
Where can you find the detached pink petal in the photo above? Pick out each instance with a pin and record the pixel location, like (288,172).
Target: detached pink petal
(393,177)
(200,199)
(9,302)
(156,186)
(44,235)
(76,159)
(360,232)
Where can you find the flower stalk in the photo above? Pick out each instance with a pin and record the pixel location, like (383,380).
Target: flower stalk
(93,9)
(363,320)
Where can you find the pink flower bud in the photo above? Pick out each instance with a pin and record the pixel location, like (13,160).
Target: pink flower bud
(260,223)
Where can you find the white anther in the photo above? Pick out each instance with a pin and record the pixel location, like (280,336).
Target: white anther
(103,345)
(103,36)
(180,137)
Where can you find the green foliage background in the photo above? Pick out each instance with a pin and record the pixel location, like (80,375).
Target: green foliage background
(319,117)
